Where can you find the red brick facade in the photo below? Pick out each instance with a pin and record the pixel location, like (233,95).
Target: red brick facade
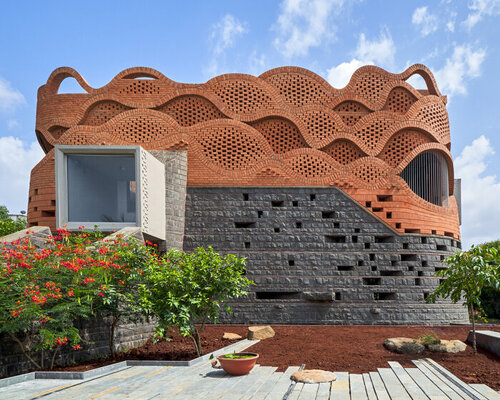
(287,127)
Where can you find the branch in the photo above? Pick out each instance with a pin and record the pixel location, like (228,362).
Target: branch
(25,352)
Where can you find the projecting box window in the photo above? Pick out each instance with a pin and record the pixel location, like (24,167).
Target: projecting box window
(110,186)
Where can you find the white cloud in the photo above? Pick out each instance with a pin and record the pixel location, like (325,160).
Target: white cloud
(480,8)
(340,75)
(10,98)
(425,21)
(480,194)
(303,24)
(222,37)
(17,158)
(256,63)
(12,124)
(464,64)
(225,32)
(450,25)
(379,52)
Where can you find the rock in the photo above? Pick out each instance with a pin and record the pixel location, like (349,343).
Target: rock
(404,345)
(231,336)
(313,376)
(448,346)
(260,332)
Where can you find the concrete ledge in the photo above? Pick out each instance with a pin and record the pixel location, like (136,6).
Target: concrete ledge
(108,369)
(488,340)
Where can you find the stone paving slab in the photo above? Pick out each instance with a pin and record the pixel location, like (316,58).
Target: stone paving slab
(201,381)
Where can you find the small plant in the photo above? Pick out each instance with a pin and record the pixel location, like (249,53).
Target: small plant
(238,356)
(188,290)
(429,339)
(467,274)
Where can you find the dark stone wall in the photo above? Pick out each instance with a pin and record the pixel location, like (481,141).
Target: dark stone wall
(95,344)
(318,257)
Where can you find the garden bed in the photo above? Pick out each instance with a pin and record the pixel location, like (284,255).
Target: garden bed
(178,349)
(355,349)
(359,349)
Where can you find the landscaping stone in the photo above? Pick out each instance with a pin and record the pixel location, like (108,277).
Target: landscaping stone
(404,345)
(313,376)
(231,336)
(260,332)
(448,346)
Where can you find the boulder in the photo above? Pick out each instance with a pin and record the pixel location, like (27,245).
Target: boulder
(231,336)
(448,346)
(260,332)
(404,345)
(313,376)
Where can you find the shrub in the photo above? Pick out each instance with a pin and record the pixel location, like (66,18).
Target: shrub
(44,291)
(468,273)
(8,225)
(188,290)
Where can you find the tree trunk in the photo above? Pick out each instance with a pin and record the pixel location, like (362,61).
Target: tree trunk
(54,357)
(111,338)
(474,348)
(197,344)
(23,349)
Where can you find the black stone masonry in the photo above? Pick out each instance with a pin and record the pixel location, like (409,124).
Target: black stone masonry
(318,257)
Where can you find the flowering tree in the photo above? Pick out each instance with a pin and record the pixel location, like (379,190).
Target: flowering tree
(43,292)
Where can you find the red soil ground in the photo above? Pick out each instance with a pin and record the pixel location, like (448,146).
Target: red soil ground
(355,349)
(359,349)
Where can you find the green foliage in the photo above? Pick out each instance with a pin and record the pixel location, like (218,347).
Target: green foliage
(9,226)
(429,338)
(468,273)
(187,290)
(4,213)
(43,292)
(237,356)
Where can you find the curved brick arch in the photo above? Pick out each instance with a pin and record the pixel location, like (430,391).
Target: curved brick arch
(292,126)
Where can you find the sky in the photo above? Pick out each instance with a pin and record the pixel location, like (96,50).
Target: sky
(193,41)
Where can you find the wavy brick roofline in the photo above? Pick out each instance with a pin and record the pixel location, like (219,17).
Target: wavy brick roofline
(58,75)
(286,127)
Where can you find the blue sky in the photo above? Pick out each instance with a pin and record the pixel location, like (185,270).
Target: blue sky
(194,41)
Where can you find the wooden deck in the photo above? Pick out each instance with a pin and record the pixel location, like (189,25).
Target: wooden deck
(426,381)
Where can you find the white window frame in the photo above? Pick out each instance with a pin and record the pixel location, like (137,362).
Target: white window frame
(61,166)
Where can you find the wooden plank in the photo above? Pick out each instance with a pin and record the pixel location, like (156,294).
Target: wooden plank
(251,384)
(379,387)
(357,387)
(339,389)
(408,383)
(486,391)
(370,391)
(392,384)
(309,391)
(427,386)
(264,389)
(444,386)
(296,391)
(457,382)
(324,391)
(279,389)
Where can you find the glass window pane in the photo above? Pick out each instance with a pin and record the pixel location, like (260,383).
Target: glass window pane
(101,188)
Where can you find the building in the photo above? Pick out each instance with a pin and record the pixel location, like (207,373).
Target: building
(342,200)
